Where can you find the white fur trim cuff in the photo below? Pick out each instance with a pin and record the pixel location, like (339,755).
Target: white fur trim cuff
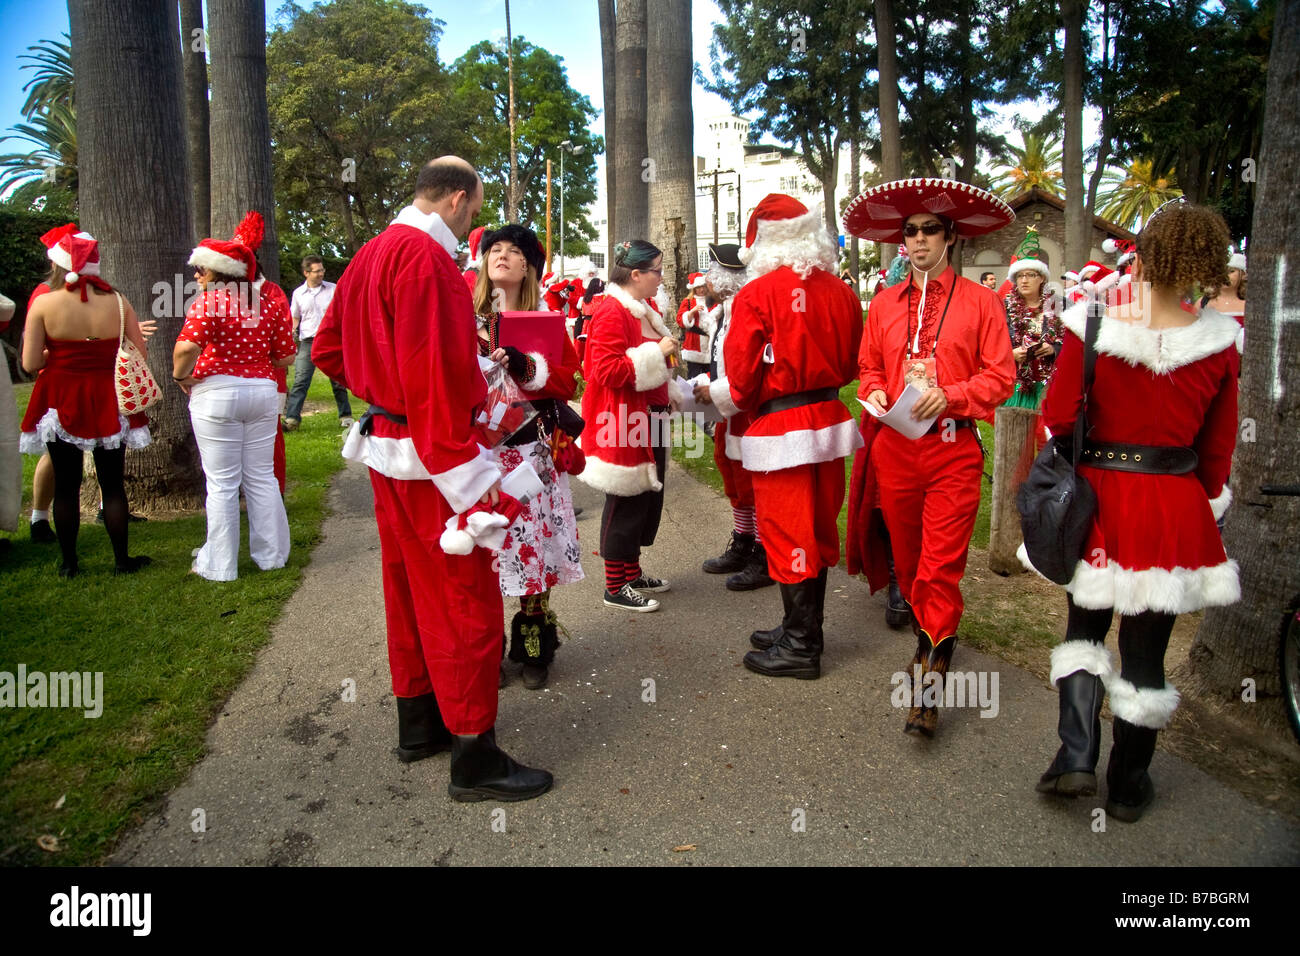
(1073,656)
(465,484)
(625,481)
(720,394)
(649,365)
(206,258)
(804,447)
(1219,505)
(1148,707)
(1176,591)
(540,376)
(691,355)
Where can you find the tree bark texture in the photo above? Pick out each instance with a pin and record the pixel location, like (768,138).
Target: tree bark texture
(195,59)
(1239,642)
(610,87)
(1076,221)
(1013,454)
(891,150)
(135,200)
(631,172)
(670,137)
(241,126)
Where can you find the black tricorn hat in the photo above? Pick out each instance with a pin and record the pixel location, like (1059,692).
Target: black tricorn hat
(726,254)
(520,236)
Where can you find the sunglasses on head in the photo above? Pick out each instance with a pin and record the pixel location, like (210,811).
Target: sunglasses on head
(929,228)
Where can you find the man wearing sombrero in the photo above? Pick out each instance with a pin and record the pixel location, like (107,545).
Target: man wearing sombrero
(947,336)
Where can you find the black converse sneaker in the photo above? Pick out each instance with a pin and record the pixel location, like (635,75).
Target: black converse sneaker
(630,600)
(647,583)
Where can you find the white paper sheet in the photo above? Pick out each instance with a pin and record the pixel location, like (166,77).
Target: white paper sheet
(899,418)
(705,411)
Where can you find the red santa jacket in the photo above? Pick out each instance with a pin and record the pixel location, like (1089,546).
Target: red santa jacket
(789,335)
(626,373)
(401,333)
(973,360)
(695,343)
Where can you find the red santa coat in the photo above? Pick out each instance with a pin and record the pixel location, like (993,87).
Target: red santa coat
(626,373)
(789,335)
(695,343)
(1154,544)
(401,333)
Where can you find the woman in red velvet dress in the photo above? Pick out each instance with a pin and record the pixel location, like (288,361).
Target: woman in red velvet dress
(72,337)
(1162,414)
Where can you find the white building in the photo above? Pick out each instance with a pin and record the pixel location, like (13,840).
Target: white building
(743,173)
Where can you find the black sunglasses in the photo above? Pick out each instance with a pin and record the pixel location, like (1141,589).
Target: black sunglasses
(929,228)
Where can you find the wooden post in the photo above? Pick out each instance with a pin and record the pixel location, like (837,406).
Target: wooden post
(548,215)
(1014,441)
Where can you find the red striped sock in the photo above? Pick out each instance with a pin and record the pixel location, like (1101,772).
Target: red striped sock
(633,571)
(742,520)
(615,575)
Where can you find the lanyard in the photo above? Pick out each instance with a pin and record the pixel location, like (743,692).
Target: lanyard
(947,302)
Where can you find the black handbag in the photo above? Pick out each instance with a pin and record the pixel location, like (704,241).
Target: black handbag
(1056,504)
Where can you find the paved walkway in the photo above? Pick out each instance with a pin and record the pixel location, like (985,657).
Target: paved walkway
(739,768)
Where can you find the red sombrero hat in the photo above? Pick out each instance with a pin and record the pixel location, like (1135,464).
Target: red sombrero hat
(880,212)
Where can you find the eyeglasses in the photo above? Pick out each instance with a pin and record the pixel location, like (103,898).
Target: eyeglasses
(929,228)
(659,272)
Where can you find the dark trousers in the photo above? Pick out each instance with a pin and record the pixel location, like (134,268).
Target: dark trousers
(1143,640)
(629,524)
(303,370)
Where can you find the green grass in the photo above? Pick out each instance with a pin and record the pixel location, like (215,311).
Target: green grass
(171,647)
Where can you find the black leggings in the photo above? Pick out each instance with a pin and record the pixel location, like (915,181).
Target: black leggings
(109,464)
(1143,640)
(630,523)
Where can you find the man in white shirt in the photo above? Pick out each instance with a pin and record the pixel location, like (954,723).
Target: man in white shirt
(310,300)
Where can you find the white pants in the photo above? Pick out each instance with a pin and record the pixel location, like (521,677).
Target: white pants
(234,423)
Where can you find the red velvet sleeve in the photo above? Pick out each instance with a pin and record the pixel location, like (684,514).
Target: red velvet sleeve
(1218,435)
(995,379)
(616,360)
(871,361)
(1065,388)
(561,380)
(743,351)
(327,346)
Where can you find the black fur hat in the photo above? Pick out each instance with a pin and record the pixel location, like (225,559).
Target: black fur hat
(524,238)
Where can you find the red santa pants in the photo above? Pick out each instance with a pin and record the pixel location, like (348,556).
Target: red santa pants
(798,511)
(736,481)
(443,610)
(930,495)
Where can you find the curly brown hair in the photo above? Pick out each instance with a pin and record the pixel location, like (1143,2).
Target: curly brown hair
(1185,246)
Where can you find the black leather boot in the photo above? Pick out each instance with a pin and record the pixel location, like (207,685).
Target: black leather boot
(1074,771)
(798,651)
(480,770)
(1128,784)
(420,730)
(898,613)
(924,720)
(765,639)
(533,640)
(754,574)
(734,558)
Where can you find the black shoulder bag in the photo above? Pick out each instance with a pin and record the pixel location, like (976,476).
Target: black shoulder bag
(1056,505)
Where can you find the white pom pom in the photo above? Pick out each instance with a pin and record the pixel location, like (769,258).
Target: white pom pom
(71,278)
(744,254)
(1109,245)
(454,540)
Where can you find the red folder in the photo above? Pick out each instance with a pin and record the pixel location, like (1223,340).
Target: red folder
(542,332)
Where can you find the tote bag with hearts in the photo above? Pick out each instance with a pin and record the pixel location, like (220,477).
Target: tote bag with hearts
(136,389)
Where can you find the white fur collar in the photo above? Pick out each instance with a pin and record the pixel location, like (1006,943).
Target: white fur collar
(432,224)
(638,307)
(1160,350)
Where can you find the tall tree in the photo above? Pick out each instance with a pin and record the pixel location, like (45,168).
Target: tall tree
(134,200)
(1035,164)
(609,87)
(1077,232)
(631,169)
(50,111)
(670,139)
(1135,192)
(1238,643)
(891,156)
(512,188)
(240,126)
(551,111)
(194,55)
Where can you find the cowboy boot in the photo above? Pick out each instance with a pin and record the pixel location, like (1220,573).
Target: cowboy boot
(1128,784)
(526,647)
(1078,670)
(734,558)
(798,651)
(898,613)
(420,730)
(480,770)
(754,574)
(765,639)
(924,720)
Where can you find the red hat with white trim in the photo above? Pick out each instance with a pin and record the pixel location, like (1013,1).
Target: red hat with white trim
(475,238)
(71,249)
(783,231)
(881,211)
(696,280)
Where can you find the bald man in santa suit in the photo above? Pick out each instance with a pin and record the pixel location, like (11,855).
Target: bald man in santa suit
(791,346)
(401,333)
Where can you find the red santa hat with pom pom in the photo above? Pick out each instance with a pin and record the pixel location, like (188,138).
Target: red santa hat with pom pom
(71,249)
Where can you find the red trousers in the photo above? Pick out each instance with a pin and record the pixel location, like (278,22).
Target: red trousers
(443,610)
(930,495)
(735,479)
(798,511)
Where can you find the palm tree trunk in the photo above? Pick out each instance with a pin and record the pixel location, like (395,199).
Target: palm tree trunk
(891,154)
(1076,223)
(609,87)
(241,127)
(633,166)
(670,139)
(134,197)
(1239,642)
(194,49)
(512,191)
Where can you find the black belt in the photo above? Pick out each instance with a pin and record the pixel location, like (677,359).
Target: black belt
(942,423)
(798,400)
(368,418)
(1143,459)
